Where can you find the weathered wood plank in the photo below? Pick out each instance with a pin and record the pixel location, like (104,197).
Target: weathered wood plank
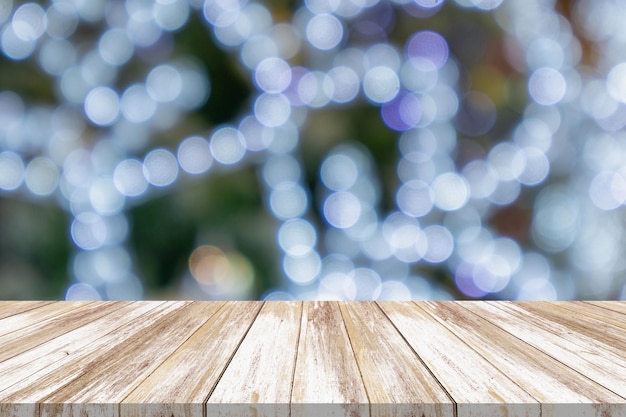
(36,315)
(561,390)
(296,359)
(579,352)
(108,380)
(53,353)
(398,383)
(618,306)
(258,379)
(601,330)
(182,383)
(18,399)
(42,331)
(10,308)
(603,315)
(327,381)
(476,386)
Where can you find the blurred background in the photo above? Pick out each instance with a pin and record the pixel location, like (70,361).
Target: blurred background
(316,149)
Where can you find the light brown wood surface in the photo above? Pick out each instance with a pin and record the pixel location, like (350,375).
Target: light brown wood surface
(306,359)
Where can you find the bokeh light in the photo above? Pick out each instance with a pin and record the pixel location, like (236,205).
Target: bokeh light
(333,149)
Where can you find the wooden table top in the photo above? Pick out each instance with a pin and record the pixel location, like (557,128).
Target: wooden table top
(253,358)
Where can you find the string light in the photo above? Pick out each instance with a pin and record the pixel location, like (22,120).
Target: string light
(443,208)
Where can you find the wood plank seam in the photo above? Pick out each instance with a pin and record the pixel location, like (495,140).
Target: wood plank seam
(455,409)
(473,348)
(119,405)
(343,320)
(206,399)
(295,359)
(530,346)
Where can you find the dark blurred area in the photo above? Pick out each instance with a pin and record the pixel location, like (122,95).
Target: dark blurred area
(325,149)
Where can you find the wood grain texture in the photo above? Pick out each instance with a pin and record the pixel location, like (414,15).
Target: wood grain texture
(175,388)
(306,359)
(557,387)
(327,381)
(258,379)
(476,386)
(398,383)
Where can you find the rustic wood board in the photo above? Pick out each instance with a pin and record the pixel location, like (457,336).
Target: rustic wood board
(317,358)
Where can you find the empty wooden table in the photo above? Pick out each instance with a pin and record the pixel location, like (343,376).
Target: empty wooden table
(253,358)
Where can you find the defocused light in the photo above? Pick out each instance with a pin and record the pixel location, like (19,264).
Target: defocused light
(115,47)
(105,197)
(194,155)
(440,244)
(257,136)
(482,179)
(287,39)
(281,168)
(315,89)
(537,290)
(128,289)
(227,146)
(42,176)
(288,200)
(129,178)
(544,52)
(324,31)
(62,20)
(170,14)
(15,47)
(536,166)
(506,161)
(415,198)
(297,237)
(616,82)
(342,209)
(322,6)
(346,84)
(302,269)
(450,191)
(339,172)
(257,48)
(160,167)
(273,75)
(82,292)
(394,291)
(403,112)
(382,52)
(221,274)
(136,105)
(487,4)
(428,45)
(102,106)
(55,56)
(547,86)
(607,190)
(221,13)
(195,88)
(88,231)
(142,30)
(164,83)
(419,74)
(381,84)
(367,282)
(556,218)
(29,22)
(272,110)
(11,171)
